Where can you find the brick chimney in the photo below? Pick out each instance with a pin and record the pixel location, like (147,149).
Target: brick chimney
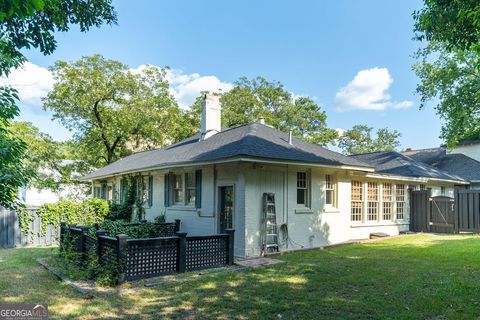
(211,116)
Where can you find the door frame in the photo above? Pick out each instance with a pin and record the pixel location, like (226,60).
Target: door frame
(219,203)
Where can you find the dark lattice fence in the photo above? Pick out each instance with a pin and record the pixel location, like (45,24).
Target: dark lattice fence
(107,250)
(206,252)
(151,257)
(145,258)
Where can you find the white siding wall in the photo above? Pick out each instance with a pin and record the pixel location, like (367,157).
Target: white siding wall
(203,221)
(472,151)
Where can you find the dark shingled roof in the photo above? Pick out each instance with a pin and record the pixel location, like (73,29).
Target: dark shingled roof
(253,140)
(453,163)
(428,156)
(394,163)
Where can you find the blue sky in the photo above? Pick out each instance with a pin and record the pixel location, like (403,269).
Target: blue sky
(351,56)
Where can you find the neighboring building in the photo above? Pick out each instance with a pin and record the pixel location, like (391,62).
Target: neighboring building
(216,180)
(34,197)
(453,162)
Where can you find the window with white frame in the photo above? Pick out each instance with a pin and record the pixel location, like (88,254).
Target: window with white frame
(109,192)
(387,201)
(330,191)
(181,188)
(302,188)
(423,187)
(190,188)
(400,201)
(177,187)
(372,201)
(356,200)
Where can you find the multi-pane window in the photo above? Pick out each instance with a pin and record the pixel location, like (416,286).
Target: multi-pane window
(302,188)
(422,187)
(400,201)
(372,201)
(181,189)
(190,188)
(357,200)
(387,198)
(330,190)
(177,187)
(109,192)
(442,190)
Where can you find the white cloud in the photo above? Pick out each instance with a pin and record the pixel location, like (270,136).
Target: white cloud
(340,131)
(369,91)
(187,87)
(32,82)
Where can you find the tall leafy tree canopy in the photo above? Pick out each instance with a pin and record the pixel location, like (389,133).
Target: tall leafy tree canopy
(449,65)
(32,24)
(111,109)
(359,139)
(251,99)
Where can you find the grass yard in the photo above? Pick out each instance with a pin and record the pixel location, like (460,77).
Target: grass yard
(421,276)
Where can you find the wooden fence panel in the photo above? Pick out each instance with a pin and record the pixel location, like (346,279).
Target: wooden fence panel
(467,210)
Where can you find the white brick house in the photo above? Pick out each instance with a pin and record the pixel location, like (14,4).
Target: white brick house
(216,180)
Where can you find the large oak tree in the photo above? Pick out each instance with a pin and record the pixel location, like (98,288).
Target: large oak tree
(33,24)
(112,109)
(449,65)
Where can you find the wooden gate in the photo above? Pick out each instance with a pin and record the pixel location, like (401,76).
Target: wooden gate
(11,235)
(467,210)
(431,214)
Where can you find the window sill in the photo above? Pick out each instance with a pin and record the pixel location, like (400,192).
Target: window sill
(303,211)
(378,224)
(331,210)
(181,208)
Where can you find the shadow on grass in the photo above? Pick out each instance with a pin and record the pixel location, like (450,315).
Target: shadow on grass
(421,276)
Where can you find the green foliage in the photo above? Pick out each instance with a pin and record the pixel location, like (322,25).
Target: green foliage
(112,110)
(249,100)
(31,24)
(359,140)
(71,264)
(13,172)
(449,65)
(87,212)
(123,210)
(134,230)
(456,23)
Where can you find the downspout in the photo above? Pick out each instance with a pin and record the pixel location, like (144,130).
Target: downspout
(286,211)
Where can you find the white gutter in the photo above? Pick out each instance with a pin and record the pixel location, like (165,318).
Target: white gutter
(413,179)
(241,159)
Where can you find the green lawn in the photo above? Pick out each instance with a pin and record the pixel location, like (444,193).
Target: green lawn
(421,276)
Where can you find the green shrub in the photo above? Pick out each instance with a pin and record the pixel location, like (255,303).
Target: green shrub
(141,230)
(86,212)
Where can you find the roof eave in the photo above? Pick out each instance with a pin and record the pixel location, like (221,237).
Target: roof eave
(414,179)
(228,160)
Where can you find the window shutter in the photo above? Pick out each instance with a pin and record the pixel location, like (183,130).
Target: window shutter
(198,189)
(166,188)
(150,191)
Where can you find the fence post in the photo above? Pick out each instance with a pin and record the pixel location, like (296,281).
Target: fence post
(231,245)
(182,251)
(177,225)
(122,256)
(63,226)
(83,243)
(100,232)
(456,195)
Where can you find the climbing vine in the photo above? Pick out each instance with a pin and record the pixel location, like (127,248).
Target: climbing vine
(87,212)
